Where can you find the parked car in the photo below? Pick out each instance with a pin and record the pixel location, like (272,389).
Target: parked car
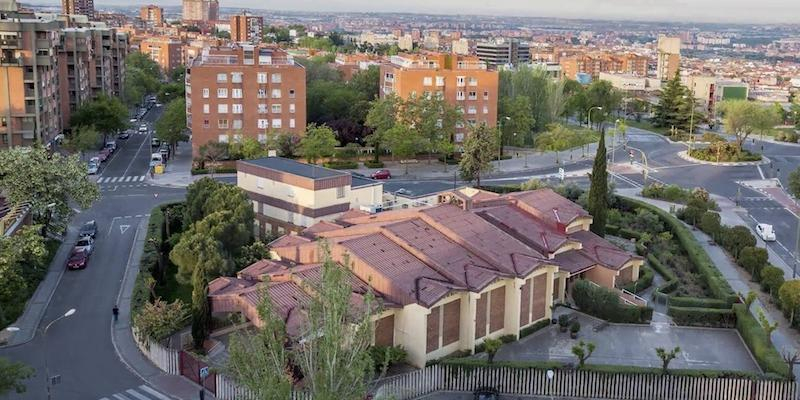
(91,168)
(766,232)
(102,156)
(78,259)
(111,145)
(486,393)
(85,243)
(95,160)
(382,174)
(155,142)
(88,229)
(158,104)
(133,120)
(124,135)
(143,128)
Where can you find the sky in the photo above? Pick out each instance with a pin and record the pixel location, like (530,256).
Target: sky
(738,11)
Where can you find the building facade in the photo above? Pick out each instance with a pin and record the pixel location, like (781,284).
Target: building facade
(165,51)
(669,57)
(502,52)
(244,91)
(247,28)
(81,7)
(200,10)
(463,81)
(152,15)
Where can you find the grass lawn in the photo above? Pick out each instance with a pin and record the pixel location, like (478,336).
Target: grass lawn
(648,127)
(172,289)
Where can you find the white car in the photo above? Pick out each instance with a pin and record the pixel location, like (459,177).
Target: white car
(91,168)
(766,232)
(142,128)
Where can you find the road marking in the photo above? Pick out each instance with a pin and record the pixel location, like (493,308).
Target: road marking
(137,395)
(153,392)
(136,155)
(138,215)
(760,172)
(111,225)
(121,397)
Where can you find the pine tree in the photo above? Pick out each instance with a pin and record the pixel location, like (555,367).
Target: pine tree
(674,106)
(598,200)
(200,310)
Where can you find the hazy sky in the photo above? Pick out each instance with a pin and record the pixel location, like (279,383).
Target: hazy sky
(745,11)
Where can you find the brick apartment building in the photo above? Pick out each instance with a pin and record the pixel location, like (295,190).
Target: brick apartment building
(152,14)
(80,7)
(244,91)
(247,28)
(463,81)
(449,276)
(165,51)
(596,63)
(200,10)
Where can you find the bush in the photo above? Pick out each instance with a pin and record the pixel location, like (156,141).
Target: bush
(753,259)
(533,328)
(629,234)
(736,238)
(450,160)
(387,356)
(221,170)
(759,344)
(710,224)
(724,152)
(709,137)
(711,317)
(697,302)
(784,136)
(159,320)
(341,164)
(373,164)
(646,276)
(605,304)
(671,193)
(771,279)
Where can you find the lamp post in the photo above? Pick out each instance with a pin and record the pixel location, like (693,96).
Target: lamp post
(691,125)
(614,141)
(69,312)
(500,136)
(590,114)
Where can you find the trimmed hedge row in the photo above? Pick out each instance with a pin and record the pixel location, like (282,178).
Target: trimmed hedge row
(605,304)
(149,260)
(645,280)
(696,316)
(699,303)
(222,170)
(758,342)
(341,164)
(373,164)
(533,328)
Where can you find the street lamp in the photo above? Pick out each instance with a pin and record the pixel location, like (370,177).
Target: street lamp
(691,125)
(590,114)
(69,312)
(500,136)
(614,140)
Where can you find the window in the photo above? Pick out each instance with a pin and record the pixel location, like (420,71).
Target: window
(473,81)
(291,122)
(205,93)
(206,124)
(206,109)
(236,77)
(237,108)
(291,108)
(237,138)
(339,192)
(222,78)
(471,122)
(291,93)
(263,124)
(460,81)
(427,81)
(486,95)
(485,109)
(262,93)
(222,108)
(222,124)
(471,110)
(262,138)
(276,78)
(262,77)
(222,93)
(459,95)
(459,137)
(237,124)
(276,93)
(236,93)
(276,108)
(222,138)
(262,108)
(389,77)
(276,122)
(260,182)
(439,81)
(473,95)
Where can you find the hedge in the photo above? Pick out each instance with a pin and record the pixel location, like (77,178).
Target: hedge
(629,234)
(612,230)
(373,164)
(695,316)
(605,304)
(645,280)
(149,259)
(204,171)
(341,164)
(699,302)
(760,346)
(533,328)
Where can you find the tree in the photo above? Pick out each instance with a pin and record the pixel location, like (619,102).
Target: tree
(742,117)
(285,144)
(789,293)
(319,141)
(583,351)
(748,299)
(171,127)
(11,376)
(431,120)
(142,76)
(771,279)
(251,148)
(769,327)
(737,238)
(367,82)
(382,117)
(83,138)
(171,91)
(159,319)
(794,183)
(188,252)
(492,346)
(598,201)
(602,94)
(251,253)
(178,74)
(106,114)
(197,194)
(201,313)
(479,150)
(753,259)
(666,356)
(535,84)
(52,184)
(674,106)
(403,142)
(517,121)
(212,152)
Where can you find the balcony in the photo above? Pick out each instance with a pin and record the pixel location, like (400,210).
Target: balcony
(44,44)
(11,61)
(10,43)
(30,93)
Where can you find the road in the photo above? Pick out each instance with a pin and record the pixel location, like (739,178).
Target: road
(79,348)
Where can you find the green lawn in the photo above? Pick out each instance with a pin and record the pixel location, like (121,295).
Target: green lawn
(648,127)
(172,290)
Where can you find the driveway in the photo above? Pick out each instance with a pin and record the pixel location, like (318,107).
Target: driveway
(626,344)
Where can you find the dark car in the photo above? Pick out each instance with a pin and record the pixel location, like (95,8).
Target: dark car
(88,229)
(486,393)
(78,259)
(382,174)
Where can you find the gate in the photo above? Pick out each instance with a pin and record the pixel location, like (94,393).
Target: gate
(190,368)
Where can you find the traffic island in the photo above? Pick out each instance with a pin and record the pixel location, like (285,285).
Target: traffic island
(685,155)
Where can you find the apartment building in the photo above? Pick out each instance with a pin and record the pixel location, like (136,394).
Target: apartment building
(81,7)
(75,63)
(350,64)
(597,63)
(463,81)
(167,52)
(29,82)
(290,196)
(247,28)
(502,52)
(449,276)
(200,10)
(152,15)
(244,91)
(669,57)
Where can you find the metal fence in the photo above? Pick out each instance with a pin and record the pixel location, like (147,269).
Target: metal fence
(168,360)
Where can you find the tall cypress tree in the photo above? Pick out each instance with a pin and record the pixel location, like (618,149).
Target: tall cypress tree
(200,309)
(598,202)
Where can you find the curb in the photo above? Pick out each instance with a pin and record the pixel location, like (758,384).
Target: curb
(684,155)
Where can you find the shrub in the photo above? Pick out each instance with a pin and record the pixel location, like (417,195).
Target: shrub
(756,339)
(220,170)
(671,193)
(712,317)
(159,320)
(724,152)
(753,259)
(710,224)
(736,238)
(341,164)
(697,302)
(373,164)
(771,279)
(386,356)
(709,137)
(645,280)
(784,136)
(533,328)
(604,303)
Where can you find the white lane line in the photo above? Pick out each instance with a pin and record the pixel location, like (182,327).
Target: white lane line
(760,172)
(111,225)
(114,179)
(127,179)
(137,394)
(136,155)
(142,178)
(121,397)
(153,392)
(104,398)
(101,180)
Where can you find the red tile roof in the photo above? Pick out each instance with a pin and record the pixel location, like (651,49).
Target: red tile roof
(524,227)
(603,251)
(549,206)
(258,269)
(319,227)
(288,241)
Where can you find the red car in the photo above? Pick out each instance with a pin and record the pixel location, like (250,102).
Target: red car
(78,259)
(382,174)
(105,153)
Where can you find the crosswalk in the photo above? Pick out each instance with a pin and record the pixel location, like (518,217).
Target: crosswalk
(121,179)
(142,392)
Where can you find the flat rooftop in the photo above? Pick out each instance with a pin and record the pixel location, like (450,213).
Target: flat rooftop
(416,189)
(361,181)
(293,167)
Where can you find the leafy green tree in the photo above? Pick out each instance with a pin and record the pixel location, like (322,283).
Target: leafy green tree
(106,114)
(492,346)
(171,91)
(789,293)
(171,127)
(598,201)
(143,63)
(517,121)
(771,279)
(11,376)
(794,183)
(479,150)
(367,82)
(201,312)
(769,327)
(251,148)
(737,238)
(285,144)
(178,74)
(602,94)
(142,76)
(674,106)
(583,351)
(159,319)
(432,120)
(403,142)
(197,194)
(319,69)
(753,259)
(742,118)
(319,141)
(382,117)
(83,138)
(251,253)
(193,245)
(666,357)
(52,183)
(540,89)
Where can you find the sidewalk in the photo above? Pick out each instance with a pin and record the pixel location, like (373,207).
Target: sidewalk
(178,170)
(784,338)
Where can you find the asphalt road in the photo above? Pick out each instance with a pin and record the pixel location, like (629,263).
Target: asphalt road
(79,348)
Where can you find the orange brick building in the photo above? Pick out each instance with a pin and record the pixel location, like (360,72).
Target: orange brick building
(463,81)
(245,91)
(595,63)
(167,52)
(247,28)
(152,14)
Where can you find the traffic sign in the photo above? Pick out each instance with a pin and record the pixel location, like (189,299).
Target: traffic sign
(562,174)
(203,373)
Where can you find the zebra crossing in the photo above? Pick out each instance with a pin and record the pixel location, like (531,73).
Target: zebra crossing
(121,179)
(142,392)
